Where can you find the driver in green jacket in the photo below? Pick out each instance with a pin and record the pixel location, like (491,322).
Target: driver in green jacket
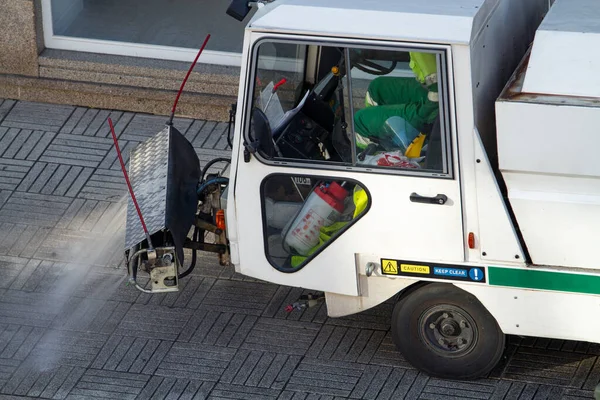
(415,100)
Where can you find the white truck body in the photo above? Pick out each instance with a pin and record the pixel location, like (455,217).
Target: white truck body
(496,237)
(482,51)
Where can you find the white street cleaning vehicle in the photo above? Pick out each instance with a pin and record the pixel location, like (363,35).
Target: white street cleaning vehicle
(443,152)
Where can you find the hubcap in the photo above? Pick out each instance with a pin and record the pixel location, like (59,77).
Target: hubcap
(448,330)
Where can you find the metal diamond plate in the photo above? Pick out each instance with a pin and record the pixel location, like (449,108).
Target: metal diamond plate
(148,168)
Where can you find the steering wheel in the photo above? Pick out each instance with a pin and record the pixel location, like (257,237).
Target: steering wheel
(377,69)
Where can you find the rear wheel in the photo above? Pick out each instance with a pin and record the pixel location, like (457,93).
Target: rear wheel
(446,332)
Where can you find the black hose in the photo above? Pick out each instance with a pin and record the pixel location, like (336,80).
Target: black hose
(210,164)
(194,255)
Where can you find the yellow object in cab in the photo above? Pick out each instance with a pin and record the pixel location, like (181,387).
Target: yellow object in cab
(414,149)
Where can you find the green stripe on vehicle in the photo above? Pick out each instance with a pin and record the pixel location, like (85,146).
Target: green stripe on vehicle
(544,280)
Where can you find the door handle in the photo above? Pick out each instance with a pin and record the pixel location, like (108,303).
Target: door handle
(440,199)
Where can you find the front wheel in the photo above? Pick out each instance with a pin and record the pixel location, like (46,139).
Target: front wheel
(446,332)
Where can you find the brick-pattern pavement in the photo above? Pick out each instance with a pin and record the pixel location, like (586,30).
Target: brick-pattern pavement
(71,329)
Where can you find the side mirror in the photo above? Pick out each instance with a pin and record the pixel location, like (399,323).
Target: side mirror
(262,132)
(238,9)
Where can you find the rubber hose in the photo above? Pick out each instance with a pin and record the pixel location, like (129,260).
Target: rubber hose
(194,255)
(210,164)
(206,184)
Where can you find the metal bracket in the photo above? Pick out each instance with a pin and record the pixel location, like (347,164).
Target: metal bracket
(158,275)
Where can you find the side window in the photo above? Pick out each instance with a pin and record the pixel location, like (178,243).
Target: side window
(396,108)
(346,106)
(302,215)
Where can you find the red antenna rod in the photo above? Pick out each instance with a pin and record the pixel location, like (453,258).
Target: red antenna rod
(137,207)
(170,122)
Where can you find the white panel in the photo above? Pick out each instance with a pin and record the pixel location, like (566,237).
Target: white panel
(548,159)
(237,146)
(464,119)
(367,24)
(374,290)
(541,313)
(497,236)
(437,21)
(549,139)
(559,218)
(562,64)
(563,59)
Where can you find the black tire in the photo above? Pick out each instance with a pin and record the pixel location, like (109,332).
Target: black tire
(447,333)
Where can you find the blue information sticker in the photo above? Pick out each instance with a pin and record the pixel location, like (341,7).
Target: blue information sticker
(455,272)
(476,274)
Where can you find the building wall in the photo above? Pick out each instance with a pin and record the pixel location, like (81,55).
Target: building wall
(30,72)
(20,37)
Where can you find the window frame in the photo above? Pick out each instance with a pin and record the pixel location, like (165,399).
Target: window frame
(443,52)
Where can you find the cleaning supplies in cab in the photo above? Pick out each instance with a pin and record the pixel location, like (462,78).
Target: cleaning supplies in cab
(323,207)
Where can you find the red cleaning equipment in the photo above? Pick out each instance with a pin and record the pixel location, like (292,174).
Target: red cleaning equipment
(322,208)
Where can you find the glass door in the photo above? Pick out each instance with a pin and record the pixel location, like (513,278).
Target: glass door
(144,28)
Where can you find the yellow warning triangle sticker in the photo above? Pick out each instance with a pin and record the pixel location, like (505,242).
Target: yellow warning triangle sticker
(390,267)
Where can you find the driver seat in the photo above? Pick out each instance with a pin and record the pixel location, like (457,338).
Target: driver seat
(434,159)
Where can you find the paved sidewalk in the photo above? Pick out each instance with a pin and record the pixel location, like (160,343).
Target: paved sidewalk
(71,329)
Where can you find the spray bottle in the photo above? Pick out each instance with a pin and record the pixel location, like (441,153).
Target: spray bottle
(323,207)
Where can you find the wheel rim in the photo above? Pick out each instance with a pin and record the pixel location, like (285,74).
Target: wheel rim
(448,330)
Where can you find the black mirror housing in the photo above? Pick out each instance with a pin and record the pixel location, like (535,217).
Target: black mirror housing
(238,9)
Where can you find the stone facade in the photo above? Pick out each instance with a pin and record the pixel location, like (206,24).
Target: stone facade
(20,37)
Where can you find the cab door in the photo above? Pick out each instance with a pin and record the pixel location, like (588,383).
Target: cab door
(327,126)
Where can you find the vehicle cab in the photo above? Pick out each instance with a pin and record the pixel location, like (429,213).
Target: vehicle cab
(399,168)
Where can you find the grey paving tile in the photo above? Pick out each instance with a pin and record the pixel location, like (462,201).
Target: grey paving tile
(4,195)
(5,107)
(79,182)
(238,297)
(67,180)
(387,354)
(9,140)
(276,335)
(84,120)
(22,342)
(203,134)
(13,267)
(109,316)
(20,238)
(107,384)
(7,369)
(100,122)
(120,124)
(196,362)
(71,158)
(436,388)
(559,367)
(38,237)
(143,126)
(230,391)
(12,172)
(219,131)
(73,120)
(42,116)
(575,394)
(154,322)
(325,377)
(105,184)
